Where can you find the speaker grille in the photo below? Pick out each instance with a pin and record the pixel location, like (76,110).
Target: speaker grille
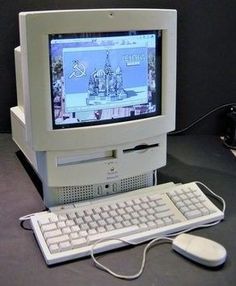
(136,182)
(71,194)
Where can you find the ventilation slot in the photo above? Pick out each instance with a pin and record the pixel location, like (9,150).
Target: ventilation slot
(136,182)
(70,194)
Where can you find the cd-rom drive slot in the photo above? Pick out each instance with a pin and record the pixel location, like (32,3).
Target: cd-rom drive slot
(85,158)
(141,147)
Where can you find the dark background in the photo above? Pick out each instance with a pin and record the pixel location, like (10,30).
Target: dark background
(206,58)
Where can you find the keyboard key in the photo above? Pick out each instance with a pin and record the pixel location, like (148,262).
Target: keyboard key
(160,223)
(83,233)
(92,231)
(93,224)
(142,213)
(143,219)
(101,222)
(129,203)
(84,226)
(109,227)
(96,217)
(167,220)
(62,217)
(155,197)
(97,210)
(61,224)
(74,235)
(151,224)
(114,233)
(134,221)
(163,214)
(66,245)
(137,208)
(145,206)
(118,225)
(192,214)
(54,248)
(47,227)
(52,233)
(53,218)
(66,230)
(121,211)
(75,228)
(184,209)
(71,215)
(175,199)
(126,223)
(70,222)
(129,209)
(106,208)
(112,213)
(101,229)
(162,209)
(88,212)
(44,220)
(118,218)
(121,204)
(150,211)
(127,216)
(105,215)
(151,204)
(79,213)
(80,242)
(88,219)
(58,239)
(204,211)
(134,215)
(79,220)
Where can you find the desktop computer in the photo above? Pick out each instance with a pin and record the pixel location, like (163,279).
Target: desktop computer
(96,98)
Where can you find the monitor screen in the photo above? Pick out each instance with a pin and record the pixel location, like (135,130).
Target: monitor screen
(100,78)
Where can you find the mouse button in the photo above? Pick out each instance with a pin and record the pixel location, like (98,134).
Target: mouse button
(182,241)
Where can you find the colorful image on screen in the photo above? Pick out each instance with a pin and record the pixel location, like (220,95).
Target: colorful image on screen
(99,78)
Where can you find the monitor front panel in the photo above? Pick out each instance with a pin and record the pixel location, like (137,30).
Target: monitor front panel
(101,78)
(97,78)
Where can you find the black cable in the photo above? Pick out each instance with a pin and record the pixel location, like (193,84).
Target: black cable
(27,218)
(200,119)
(228,145)
(23,226)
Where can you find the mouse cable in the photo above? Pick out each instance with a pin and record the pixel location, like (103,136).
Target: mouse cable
(178,132)
(153,241)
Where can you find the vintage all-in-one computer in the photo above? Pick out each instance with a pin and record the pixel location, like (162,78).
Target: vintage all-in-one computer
(96,99)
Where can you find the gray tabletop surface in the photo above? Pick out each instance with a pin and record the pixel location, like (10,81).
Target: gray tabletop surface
(190,158)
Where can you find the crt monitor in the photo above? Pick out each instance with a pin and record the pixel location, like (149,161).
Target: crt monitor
(96,98)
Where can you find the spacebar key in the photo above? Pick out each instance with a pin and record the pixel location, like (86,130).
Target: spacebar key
(113,233)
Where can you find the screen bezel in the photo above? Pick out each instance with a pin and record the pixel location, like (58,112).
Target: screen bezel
(156,98)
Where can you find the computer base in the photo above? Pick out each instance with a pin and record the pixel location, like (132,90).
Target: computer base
(72,176)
